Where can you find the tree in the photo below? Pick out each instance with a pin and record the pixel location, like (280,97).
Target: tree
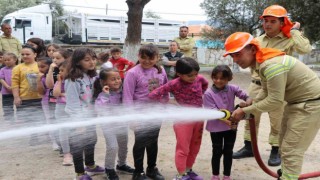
(133,38)
(9,6)
(307,13)
(151,14)
(228,16)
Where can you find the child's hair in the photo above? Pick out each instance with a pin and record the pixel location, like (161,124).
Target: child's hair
(65,53)
(186,65)
(27,46)
(75,70)
(11,55)
(104,56)
(103,75)
(115,50)
(1,53)
(224,69)
(150,51)
(46,60)
(176,43)
(64,64)
(56,46)
(41,47)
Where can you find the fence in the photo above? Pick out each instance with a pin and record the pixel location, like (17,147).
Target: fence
(207,56)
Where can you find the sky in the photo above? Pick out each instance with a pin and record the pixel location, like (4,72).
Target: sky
(181,10)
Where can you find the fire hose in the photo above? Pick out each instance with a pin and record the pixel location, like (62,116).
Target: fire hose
(256,152)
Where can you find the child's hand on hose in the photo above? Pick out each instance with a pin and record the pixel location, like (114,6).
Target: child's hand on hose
(242,104)
(227,122)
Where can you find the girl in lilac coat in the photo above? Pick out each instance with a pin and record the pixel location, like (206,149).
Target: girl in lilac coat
(108,94)
(221,96)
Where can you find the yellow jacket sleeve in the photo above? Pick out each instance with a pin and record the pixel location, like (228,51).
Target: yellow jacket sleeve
(274,89)
(301,43)
(15,78)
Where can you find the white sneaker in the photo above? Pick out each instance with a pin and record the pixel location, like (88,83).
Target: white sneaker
(67,160)
(55,146)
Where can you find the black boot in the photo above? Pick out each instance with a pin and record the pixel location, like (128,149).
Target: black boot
(274,159)
(139,176)
(111,174)
(244,152)
(153,173)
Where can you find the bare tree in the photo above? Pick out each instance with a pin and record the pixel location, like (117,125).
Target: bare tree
(133,39)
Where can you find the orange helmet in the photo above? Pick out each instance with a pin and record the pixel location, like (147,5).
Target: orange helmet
(275,11)
(279,11)
(237,41)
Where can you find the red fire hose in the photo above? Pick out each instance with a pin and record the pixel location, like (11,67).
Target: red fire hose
(258,157)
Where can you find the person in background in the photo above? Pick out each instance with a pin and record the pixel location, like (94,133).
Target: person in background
(8,43)
(24,89)
(1,60)
(169,59)
(38,44)
(186,43)
(222,96)
(61,115)
(122,64)
(103,59)
(280,33)
(10,61)
(47,106)
(60,56)
(1,66)
(51,48)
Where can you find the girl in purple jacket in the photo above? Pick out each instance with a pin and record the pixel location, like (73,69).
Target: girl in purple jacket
(47,105)
(138,83)
(10,60)
(222,96)
(108,94)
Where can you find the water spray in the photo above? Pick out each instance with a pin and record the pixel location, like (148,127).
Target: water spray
(145,114)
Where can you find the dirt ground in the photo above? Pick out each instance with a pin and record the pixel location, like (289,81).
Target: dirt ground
(21,161)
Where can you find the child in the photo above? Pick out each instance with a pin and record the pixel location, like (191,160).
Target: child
(79,105)
(103,60)
(187,89)
(47,106)
(139,81)
(51,48)
(108,93)
(38,45)
(10,60)
(24,90)
(1,64)
(169,59)
(222,96)
(59,57)
(60,114)
(1,60)
(122,64)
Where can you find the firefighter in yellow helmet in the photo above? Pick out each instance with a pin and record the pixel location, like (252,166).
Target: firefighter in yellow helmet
(282,34)
(283,79)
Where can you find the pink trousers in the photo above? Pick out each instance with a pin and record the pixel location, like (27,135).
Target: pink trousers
(189,136)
